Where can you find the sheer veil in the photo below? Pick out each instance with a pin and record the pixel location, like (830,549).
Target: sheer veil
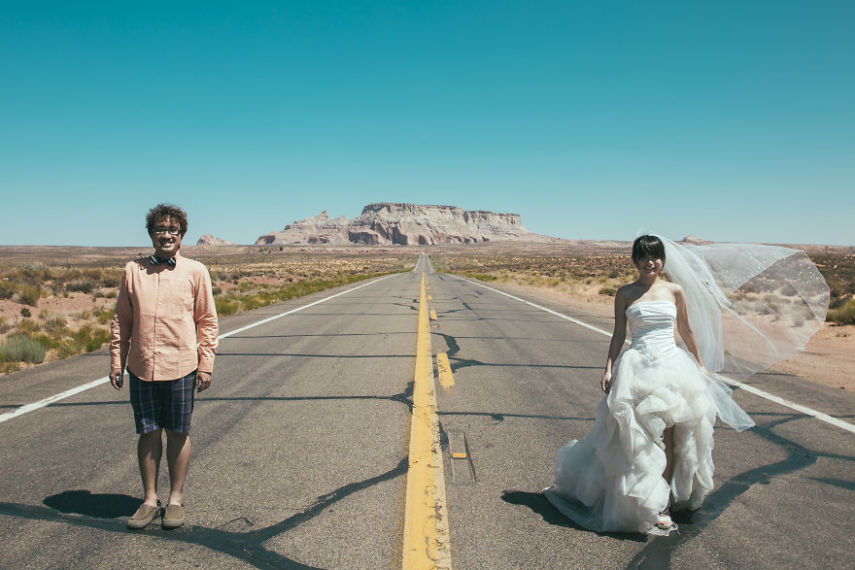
(749,307)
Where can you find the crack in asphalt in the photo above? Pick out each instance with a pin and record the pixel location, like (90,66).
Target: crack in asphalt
(247,546)
(100,511)
(659,550)
(658,553)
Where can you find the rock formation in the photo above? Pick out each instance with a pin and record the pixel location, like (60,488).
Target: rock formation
(208,239)
(695,240)
(405,224)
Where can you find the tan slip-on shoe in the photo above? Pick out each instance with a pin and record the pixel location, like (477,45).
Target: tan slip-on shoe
(144,515)
(173,516)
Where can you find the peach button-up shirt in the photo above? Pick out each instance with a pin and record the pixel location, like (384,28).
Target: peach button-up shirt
(161,314)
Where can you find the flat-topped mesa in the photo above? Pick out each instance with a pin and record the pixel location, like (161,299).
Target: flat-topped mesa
(406,224)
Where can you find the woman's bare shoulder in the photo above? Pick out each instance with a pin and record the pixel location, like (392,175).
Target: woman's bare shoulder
(677,292)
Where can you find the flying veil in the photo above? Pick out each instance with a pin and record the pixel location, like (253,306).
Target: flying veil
(749,307)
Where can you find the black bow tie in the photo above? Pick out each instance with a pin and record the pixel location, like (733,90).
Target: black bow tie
(168,261)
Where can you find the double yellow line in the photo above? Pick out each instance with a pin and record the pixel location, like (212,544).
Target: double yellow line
(427,542)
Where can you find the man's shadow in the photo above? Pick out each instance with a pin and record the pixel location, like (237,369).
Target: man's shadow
(103,506)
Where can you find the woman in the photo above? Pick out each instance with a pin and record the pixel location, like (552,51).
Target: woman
(650,448)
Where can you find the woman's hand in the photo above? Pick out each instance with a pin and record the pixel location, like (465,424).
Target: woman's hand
(606,382)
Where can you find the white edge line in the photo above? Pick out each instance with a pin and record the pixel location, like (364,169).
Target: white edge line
(56,397)
(83,387)
(747,387)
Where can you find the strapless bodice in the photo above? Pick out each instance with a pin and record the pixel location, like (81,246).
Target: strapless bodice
(652,323)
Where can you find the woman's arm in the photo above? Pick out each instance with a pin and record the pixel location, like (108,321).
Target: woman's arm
(618,338)
(685,329)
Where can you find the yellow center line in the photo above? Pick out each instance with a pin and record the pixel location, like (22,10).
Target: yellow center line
(427,541)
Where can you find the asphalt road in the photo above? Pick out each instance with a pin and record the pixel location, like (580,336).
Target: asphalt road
(300,449)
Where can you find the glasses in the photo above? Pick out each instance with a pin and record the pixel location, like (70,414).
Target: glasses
(160,230)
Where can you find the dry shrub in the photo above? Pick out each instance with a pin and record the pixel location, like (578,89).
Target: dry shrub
(30,294)
(226,306)
(22,349)
(7,290)
(28,327)
(56,327)
(80,286)
(844,314)
(85,339)
(104,316)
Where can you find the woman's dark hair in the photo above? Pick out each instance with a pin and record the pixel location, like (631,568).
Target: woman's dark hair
(647,245)
(170,211)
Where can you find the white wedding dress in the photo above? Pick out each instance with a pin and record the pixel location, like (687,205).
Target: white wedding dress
(749,306)
(612,479)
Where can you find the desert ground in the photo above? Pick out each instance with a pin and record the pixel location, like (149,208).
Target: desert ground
(61,298)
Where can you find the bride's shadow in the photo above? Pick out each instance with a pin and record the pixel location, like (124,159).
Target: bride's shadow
(538,503)
(102,506)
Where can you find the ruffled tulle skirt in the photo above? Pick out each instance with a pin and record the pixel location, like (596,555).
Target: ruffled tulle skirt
(612,479)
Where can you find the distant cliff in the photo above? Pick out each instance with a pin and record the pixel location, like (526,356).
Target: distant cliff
(405,224)
(209,240)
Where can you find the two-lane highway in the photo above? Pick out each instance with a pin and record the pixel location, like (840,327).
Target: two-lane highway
(300,448)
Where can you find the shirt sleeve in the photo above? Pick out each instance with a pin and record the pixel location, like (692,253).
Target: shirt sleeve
(122,325)
(205,315)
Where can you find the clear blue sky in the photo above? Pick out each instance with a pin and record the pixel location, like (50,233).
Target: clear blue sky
(730,120)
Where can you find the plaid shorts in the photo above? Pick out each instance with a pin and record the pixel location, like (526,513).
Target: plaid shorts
(162,404)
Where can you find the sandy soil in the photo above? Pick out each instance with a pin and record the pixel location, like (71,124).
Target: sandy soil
(829,357)
(70,308)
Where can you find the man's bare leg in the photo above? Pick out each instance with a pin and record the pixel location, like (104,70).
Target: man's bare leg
(178,460)
(149,451)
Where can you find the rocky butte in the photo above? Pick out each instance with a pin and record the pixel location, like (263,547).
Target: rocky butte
(405,224)
(209,240)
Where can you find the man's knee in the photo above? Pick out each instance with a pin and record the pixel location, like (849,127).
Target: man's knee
(176,436)
(151,435)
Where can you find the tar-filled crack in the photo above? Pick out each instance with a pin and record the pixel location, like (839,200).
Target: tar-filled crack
(246,546)
(451,343)
(658,552)
(81,508)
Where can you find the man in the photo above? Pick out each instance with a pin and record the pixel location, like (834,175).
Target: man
(165,305)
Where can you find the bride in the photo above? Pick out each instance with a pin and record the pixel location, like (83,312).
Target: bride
(650,448)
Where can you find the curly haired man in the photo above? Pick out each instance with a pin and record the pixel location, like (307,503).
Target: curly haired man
(164,332)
